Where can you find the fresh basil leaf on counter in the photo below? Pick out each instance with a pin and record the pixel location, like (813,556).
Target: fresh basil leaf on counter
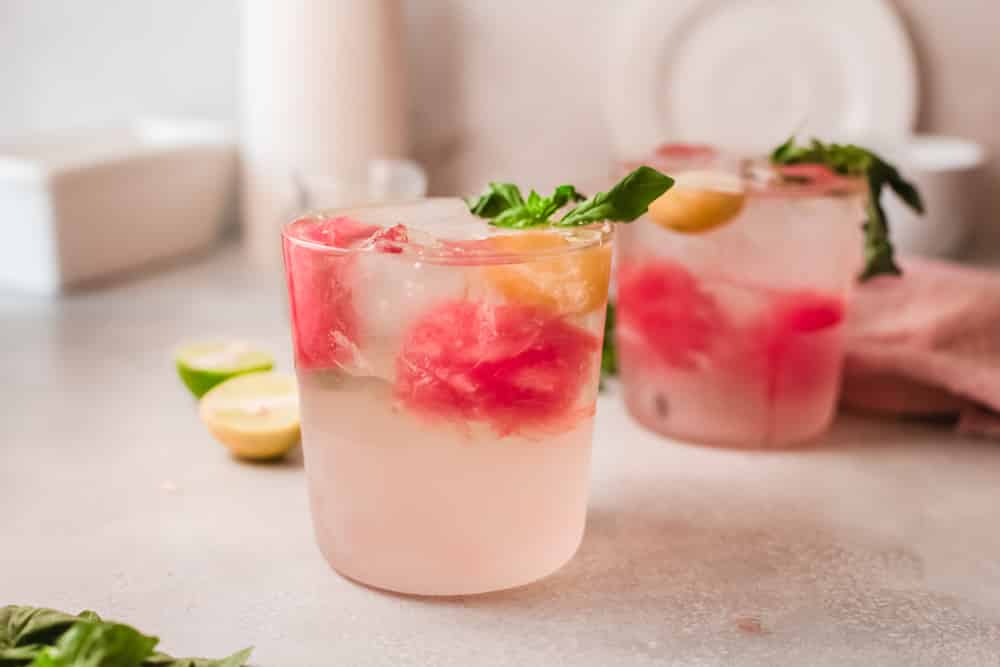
(97,644)
(237,659)
(39,637)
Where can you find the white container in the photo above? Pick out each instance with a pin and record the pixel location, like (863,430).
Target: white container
(324,93)
(949,174)
(83,206)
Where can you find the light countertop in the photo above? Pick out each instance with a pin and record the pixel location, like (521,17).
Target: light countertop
(879,547)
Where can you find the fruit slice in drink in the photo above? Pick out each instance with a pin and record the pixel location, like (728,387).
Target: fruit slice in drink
(569,282)
(699,201)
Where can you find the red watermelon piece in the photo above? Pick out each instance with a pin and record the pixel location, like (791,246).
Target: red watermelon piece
(682,151)
(663,305)
(509,365)
(324,322)
(783,342)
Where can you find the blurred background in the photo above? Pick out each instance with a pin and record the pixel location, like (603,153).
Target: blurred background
(539,93)
(476,72)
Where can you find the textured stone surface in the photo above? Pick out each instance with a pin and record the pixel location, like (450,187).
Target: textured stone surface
(879,547)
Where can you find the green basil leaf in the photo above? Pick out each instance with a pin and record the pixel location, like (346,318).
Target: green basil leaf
(609,357)
(19,656)
(851,160)
(37,637)
(565,194)
(786,153)
(562,196)
(498,198)
(518,217)
(90,644)
(237,659)
(879,254)
(625,202)
(534,201)
(503,205)
(904,189)
(20,626)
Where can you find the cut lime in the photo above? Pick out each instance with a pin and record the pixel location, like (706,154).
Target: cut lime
(255,415)
(204,365)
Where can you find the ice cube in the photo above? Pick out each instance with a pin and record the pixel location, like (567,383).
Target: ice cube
(390,292)
(441,218)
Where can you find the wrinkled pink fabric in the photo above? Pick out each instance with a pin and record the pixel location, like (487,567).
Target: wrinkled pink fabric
(927,344)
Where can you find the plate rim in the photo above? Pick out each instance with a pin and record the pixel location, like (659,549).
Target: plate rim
(642,27)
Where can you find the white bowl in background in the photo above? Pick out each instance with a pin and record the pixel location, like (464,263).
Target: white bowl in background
(83,206)
(949,173)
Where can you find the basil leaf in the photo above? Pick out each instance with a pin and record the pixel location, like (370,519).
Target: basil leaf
(609,357)
(879,253)
(904,189)
(37,637)
(20,656)
(20,626)
(498,198)
(237,659)
(786,153)
(534,201)
(503,205)
(625,202)
(565,194)
(851,160)
(518,217)
(89,644)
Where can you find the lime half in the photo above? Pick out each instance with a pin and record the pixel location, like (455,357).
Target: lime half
(204,365)
(256,416)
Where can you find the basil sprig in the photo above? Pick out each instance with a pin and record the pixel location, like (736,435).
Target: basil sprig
(855,161)
(504,206)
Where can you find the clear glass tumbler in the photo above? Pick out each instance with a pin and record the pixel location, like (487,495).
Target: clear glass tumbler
(732,335)
(447,373)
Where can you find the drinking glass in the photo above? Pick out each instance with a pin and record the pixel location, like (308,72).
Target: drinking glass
(733,335)
(447,375)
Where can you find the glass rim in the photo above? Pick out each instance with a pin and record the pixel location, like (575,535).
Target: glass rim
(449,251)
(748,168)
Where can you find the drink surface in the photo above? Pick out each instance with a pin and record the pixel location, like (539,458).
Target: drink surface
(447,376)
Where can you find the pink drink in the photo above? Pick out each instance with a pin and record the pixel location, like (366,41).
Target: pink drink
(733,336)
(446,415)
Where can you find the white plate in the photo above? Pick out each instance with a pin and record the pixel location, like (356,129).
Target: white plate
(747,73)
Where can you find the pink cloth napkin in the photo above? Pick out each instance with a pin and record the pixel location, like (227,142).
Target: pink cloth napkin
(927,344)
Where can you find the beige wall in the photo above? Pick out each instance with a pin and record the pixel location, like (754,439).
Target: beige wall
(508,93)
(507,89)
(516,93)
(957,43)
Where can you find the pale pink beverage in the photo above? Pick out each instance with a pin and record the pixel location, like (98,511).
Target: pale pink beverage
(447,376)
(733,335)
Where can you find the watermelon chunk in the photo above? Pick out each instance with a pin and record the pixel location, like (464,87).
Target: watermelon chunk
(661,304)
(324,321)
(785,342)
(681,151)
(512,366)
(806,312)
